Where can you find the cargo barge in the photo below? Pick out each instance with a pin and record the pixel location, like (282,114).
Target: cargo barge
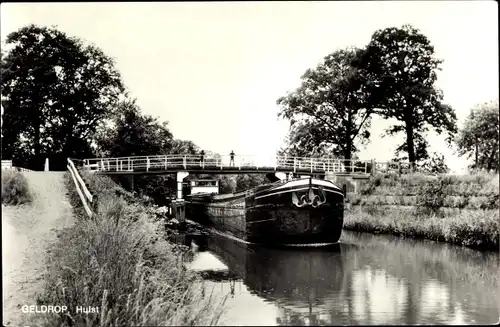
(300,212)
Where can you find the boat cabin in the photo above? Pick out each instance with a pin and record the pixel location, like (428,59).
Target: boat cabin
(204,186)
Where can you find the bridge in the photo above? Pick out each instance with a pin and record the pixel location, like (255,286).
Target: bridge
(183,165)
(241,164)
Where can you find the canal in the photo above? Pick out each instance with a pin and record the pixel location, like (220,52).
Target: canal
(367,279)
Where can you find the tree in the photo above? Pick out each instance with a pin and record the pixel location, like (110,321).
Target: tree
(305,139)
(329,111)
(55,90)
(400,70)
(479,136)
(420,146)
(435,164)
(184,147)
(248,181)
(131,133)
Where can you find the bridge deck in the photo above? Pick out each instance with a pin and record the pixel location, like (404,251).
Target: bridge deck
(211,170)
(165,164)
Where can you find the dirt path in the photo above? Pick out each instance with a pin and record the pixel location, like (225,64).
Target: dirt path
(26,232)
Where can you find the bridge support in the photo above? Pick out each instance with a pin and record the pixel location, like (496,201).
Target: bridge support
(180,176)
(130,182)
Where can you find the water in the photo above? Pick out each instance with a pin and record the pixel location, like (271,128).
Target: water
(367,279)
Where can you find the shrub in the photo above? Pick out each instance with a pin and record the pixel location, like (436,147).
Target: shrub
(15,189)
(431,194)
(370,186)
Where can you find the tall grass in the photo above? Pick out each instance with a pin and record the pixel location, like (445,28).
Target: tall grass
(478,229)
(15,188)
(120,262)
(475,196)
(477,184)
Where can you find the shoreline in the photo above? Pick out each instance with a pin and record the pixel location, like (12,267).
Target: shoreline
(457,209)
(475,229)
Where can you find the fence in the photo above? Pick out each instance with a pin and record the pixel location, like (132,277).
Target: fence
(85,195)
(392,166)
(6,164)
(21,169)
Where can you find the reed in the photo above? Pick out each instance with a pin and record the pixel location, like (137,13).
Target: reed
(120,262)
(478,229)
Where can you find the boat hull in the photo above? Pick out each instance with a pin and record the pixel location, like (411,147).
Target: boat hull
(303,212)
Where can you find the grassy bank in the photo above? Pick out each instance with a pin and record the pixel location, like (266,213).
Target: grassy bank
(15,189)
(121,263)
(461,210)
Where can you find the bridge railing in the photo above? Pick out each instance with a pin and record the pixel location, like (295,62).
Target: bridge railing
(177,161)
(82,190)
(393,166)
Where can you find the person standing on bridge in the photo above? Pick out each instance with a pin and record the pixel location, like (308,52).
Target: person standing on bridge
(231,161)
(202,158)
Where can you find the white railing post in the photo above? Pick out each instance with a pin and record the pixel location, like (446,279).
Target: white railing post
(116,164)
(129,162)
(165,162)
(352,167)
(184,162)
(366,166)
(294,164)
(147,163)
(311,165)
(108,165)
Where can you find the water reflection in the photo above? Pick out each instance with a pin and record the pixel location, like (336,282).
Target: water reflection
(365,280)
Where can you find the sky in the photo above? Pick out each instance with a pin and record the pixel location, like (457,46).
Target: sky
(214,70)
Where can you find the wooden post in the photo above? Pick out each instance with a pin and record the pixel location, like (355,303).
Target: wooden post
(373,167)
(184,162)
(147,163)
(399,168)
